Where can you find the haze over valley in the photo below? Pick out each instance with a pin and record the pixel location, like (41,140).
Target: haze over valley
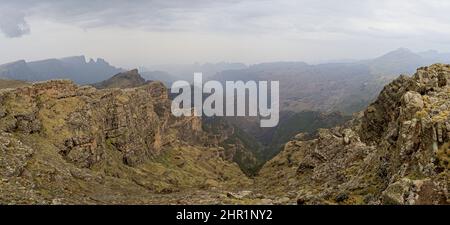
(312,96)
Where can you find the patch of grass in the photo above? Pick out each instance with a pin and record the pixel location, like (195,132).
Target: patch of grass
(54,118)
(443,155)
(441,117)
(421,114)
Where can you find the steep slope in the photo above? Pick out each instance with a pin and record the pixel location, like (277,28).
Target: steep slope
(122,80)
(264,143)
(395,152)
(307,122)
(61,143)
(239,146)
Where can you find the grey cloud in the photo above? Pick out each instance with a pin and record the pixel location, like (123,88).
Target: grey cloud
(13,24)
(375,18)
(96,13)
(148,14)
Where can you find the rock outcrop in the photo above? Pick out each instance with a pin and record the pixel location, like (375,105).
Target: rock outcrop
(397,151)
(127,79)
(238,146)
(61,143)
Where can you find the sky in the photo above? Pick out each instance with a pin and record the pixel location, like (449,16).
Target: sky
(142,33)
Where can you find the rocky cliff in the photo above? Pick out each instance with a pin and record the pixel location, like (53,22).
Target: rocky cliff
(61,143)
(239,146)
(397,151)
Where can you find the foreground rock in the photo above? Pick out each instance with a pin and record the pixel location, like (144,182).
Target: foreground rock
(65,144)
(395,152)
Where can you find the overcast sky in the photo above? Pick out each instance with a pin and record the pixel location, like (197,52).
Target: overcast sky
(134,33)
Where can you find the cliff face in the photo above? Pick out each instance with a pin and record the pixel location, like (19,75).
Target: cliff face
(70,144)
(238,146)
(395,152)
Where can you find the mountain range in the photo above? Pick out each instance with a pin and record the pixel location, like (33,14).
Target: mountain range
(186,71)
(74,68)
(345,87)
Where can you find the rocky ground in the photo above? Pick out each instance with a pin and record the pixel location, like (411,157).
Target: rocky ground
(61,143)
(397,151)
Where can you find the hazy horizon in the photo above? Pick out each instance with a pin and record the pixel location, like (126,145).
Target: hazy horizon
(161,66)
(145,33)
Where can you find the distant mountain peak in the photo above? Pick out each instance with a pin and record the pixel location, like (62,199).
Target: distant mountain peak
(102,61)
(403,50)
(18,62)
(127,79)
(134,72)
(74,68)
(400,52)
(399,61)
(74,59)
